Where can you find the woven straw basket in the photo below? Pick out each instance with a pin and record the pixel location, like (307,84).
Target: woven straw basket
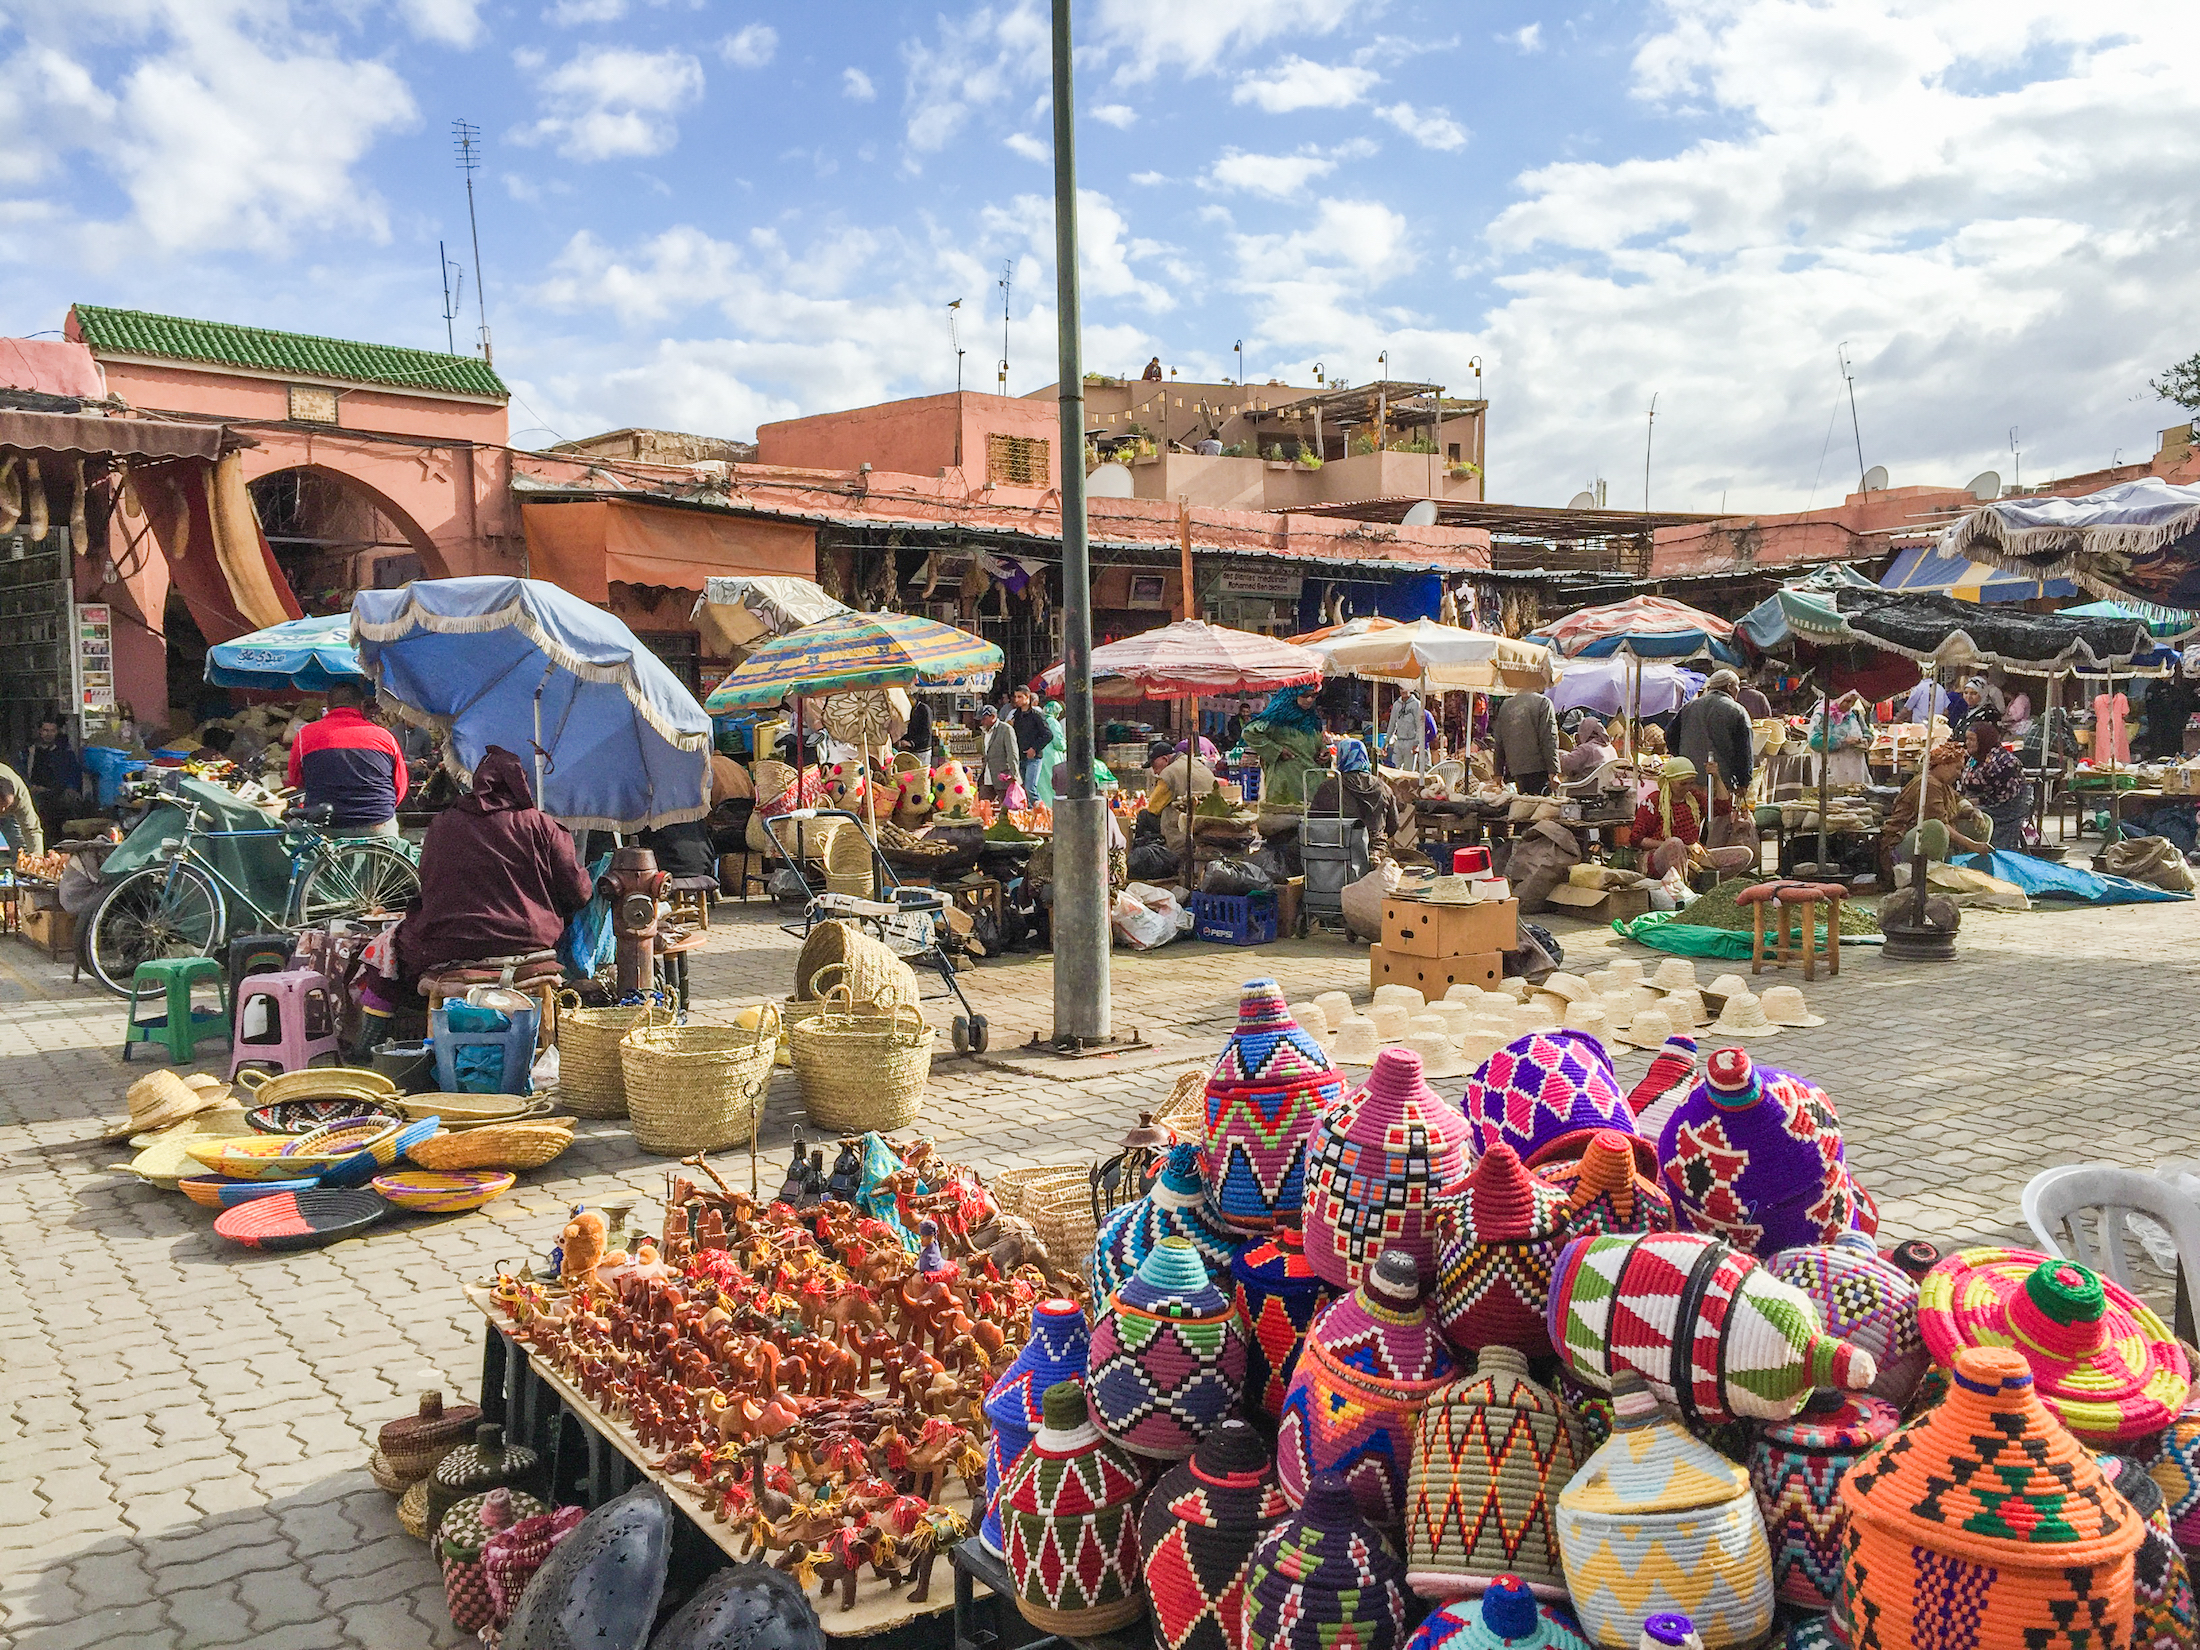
(591,1077)
(697,1088)
(1185,1111)
(874,974)
(494,1146)
(848,867)
(862,1065)
(1057,1200)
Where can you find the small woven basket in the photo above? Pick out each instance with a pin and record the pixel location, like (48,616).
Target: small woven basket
(862,1066)
(494,1146)
(848,867)
(874,974)
(1057,1200)
(591,1071)
(1185,1111)
(694,1088)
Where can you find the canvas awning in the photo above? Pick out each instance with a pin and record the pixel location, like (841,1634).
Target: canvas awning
(1923,570)
(94,437)
(588,545)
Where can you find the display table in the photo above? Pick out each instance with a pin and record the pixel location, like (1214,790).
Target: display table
(592,1458)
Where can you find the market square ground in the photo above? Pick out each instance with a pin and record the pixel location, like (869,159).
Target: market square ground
(188,1425)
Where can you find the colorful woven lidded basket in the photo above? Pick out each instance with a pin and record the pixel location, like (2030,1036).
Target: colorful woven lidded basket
(1681,1306)
(1506,1617)
(1547,1095)
(1754,1157)
(1323,1578)
(1493,1281)
(1381,1162)
(1606,1190)
(427,1192)
(1491,1451)
(2106,1367)
(1277,1293)
(215,1191)
(1069,1516)
(1370,1363)
(1985,1523)
(2163,1611)
(1197,1534)
(1658,1522)
(1167,1361)
(2173,1462)
(1866,1300)
(300,1220)
(1174,1206)
(1262,1097)
(1796,1467)
(459,1539)
(1014,1405)
(414,1445)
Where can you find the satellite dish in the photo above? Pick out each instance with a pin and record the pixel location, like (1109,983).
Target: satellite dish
(1109,481)
(1875,479)
(1422,514)
(1582,501)
(1985,486)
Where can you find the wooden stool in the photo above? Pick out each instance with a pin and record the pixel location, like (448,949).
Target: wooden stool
(544,991)
(690,897)
(1758,898)
(1803,899)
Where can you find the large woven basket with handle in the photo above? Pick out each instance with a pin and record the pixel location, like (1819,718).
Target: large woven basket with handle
(874,974)
(862,1065)
(848,866)
(591,1071)
(697,1088)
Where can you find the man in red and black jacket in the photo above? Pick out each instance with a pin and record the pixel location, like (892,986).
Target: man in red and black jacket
(350,764)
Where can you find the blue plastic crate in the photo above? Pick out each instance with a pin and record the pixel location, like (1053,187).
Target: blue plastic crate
(1235,919)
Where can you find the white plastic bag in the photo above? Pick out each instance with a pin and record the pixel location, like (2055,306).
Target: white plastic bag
(1146,916)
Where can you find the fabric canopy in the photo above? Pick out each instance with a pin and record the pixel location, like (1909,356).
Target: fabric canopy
(1924,570)
(1767,625)
(1192,659)
(1649,627)
(1438,656)
(586,545)
(96,437)
(2137,541)
(737,612)
(300,655)
(1938,630)
(852,651)
(1351,627)
(1603,685)
(2169,624)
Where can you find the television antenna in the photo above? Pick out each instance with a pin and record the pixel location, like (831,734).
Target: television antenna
(2017,453)
(1649,430)
(454,293)
(466,140)
(1841,354)
(954,340)
(1008,271)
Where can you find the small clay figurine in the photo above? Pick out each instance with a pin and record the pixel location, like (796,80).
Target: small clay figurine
(581,1247)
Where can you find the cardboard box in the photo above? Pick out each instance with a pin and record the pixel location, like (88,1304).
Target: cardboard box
(1423,928)
(1433,976)
(1289,893)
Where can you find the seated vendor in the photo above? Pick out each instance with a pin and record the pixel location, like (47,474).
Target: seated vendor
(1994,779)
(1668,827)
(1933,800)
(1165,799)
(498,877)
(1592,748)
(1358,792)
(682,850)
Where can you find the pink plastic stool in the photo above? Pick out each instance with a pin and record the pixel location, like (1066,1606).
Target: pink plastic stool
(307,1021)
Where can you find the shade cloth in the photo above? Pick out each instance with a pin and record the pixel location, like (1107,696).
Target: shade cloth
(1649,627)
(2138,540)
(96,437)
(585,545)
(304,655)
(1766,626)
(741,610)
(852,651)
(1922,568)
(1438,656)
(2044,879)
(1192,658)
(1603,685)
(2169,624)
(1942,631)
(625,747)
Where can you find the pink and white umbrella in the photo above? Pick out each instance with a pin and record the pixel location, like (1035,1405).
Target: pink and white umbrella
(1189,660)
(1649,627)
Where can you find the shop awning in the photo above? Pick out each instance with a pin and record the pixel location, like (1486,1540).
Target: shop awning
(1923,570)
(94,437)
(588,545)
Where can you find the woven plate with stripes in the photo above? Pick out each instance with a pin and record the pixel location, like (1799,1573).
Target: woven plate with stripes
(300,1220)
(451,1192)
(219,1191)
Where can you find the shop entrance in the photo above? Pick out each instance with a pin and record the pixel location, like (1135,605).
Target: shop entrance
(35,639)
(333,535)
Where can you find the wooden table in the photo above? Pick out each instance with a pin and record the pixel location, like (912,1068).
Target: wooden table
(538,1407)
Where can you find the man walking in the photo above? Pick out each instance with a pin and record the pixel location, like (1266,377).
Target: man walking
(1525,731)
(1033,734)
(998,765)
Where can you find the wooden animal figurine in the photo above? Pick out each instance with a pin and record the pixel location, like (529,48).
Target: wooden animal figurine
(582,1245)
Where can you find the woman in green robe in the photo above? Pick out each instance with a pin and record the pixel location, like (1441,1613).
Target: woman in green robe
(1292,745)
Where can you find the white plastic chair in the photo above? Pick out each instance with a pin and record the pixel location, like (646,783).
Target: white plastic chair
(2058,1201)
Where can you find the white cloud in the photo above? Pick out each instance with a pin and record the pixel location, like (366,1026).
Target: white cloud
(614,103)
(1528,39)
(1146,180)
(1107,252)
(1278,177)
(1119,115)
(977,61)
(1024,144)
(1145,36)
(855,84)
(1431,128)
(569,13)
(1296,83)
(447,22)
(750,47)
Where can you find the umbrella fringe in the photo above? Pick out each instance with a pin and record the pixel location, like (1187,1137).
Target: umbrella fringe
(1982,536)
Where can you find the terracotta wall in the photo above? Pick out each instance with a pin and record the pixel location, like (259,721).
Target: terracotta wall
(920,437)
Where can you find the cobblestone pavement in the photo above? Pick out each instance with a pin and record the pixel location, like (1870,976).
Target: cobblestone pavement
(188,1424)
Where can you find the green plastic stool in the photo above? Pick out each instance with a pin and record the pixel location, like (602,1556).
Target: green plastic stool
(180,1029)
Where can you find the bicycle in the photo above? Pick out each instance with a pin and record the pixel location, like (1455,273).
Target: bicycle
(180,907)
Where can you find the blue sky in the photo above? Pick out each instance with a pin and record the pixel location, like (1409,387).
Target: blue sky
(706,213)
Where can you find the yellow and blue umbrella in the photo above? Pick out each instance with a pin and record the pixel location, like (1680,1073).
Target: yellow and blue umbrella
(850,652)
(1923,570)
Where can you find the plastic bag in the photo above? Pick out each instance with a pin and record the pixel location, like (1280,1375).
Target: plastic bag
(1235,877)
(588,944)
(1146,916)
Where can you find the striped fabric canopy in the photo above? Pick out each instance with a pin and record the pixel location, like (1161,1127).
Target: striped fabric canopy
(1189,659)
(1924,570)
(1650,627)
(853,651)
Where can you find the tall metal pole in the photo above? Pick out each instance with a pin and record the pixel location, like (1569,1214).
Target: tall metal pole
(1082,1013)
(1855,428)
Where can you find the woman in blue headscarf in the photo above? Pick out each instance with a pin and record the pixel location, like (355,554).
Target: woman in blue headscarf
(1289,739)
(1357,791)
(1057,751)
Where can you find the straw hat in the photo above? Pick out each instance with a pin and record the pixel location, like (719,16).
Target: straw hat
(1311,1017)
(1626,971)
(1335,1005)
(1438,1057)
(1784,1006)
(1648,1029)
(1464,992)
(1686,1007)
(1390,1020)
(1571,987)
(1405,996)
(1357,1042)
(1421,1025)
(1600,981)
(1536,1016)
(1588,1015)
(1516,988)
(1744,1016)
(161,1100)
(1675,974)
(1726,985)
(1477,1046)
(1618,1006)
(1454,1016)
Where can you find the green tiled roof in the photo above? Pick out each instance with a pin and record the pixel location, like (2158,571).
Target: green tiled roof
(297,354)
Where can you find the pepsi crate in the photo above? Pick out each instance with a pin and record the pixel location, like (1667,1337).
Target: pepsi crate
(1235,919)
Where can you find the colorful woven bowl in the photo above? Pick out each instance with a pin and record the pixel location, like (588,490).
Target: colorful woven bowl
(2102,1362)
(304,1116)
(426,1192)
(216,1191)
(300,1220)
(249,1157)
(352,1152)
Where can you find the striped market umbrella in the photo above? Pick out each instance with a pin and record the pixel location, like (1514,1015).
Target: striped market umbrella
(1190,659)
(1649,627)
(852,651)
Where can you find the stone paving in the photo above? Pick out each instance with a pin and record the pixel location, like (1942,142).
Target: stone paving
(188,1424)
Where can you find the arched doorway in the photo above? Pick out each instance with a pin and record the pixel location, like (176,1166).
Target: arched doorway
(333,534)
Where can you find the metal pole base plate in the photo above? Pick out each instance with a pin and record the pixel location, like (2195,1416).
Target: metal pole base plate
(1918,944)
(1080,1048)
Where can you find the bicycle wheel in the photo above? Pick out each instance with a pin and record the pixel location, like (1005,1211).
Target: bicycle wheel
(356,879)
(159,911)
